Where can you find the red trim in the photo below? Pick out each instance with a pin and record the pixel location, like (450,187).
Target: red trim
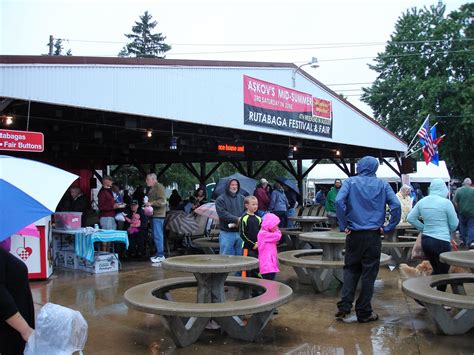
(43,256)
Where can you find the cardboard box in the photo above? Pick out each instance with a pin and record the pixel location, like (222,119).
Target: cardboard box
(67,220)
(62,242)
(71,260)
(59,258)
(103,262)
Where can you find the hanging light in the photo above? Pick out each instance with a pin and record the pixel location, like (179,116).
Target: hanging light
(8,120)
(290,152)
(338,152)
(174,143)
(149,133)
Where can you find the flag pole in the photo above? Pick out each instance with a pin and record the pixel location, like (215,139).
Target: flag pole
(409,145)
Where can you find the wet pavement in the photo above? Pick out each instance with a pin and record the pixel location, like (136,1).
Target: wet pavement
(305,325)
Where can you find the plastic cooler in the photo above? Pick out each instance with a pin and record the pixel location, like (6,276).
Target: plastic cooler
(67,220)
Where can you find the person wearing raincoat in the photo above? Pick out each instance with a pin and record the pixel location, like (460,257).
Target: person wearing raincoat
(360,209)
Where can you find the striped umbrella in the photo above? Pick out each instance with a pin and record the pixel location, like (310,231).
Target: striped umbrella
(181,222)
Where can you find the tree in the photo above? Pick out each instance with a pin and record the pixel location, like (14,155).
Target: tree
(58,48)
(144,43)
(426,68)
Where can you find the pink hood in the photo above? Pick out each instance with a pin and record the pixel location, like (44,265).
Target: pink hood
(270,221)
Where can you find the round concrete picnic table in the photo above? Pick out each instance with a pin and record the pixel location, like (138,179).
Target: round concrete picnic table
(307,222)
(399,230)
(463,258)
(210,272)
(332,243)
(208,245)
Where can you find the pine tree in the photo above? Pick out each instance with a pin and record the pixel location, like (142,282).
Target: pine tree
(144,43)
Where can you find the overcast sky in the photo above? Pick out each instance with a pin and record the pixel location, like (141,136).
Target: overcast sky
(249,30)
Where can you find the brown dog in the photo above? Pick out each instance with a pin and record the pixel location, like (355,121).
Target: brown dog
(425,269)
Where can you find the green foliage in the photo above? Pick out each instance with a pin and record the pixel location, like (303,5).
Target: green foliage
(426,68)
(58,48)
(144,43)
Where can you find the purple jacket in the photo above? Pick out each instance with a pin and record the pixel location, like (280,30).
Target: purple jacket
(267,244)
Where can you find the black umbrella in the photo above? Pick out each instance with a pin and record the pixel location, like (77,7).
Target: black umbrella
(247,185)
(290,183)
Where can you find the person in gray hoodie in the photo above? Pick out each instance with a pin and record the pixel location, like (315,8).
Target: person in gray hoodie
(230,207)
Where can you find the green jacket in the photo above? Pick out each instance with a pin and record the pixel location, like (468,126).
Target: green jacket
(330,199)
(157,198)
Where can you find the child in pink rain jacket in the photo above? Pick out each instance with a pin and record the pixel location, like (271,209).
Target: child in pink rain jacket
(267,240)
(135,223)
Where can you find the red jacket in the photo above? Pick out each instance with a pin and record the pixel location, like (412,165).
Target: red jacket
(106,203)
(263,200)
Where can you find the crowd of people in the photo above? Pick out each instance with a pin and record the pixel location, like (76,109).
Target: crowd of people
(251,225)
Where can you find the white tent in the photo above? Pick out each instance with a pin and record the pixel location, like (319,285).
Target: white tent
(326,173)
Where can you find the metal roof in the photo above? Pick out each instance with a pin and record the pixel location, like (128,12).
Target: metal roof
(95,103)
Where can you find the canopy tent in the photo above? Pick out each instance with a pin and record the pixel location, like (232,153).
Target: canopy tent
(324,174)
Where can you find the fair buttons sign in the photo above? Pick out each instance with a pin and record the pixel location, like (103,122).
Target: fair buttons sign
(22,141)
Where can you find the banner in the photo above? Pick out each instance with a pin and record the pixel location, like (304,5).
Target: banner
(277,107)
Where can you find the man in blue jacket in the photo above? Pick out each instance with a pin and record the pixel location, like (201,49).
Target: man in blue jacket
(360,209)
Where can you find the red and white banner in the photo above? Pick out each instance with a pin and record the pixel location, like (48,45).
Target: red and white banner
(23,141)
(274,106)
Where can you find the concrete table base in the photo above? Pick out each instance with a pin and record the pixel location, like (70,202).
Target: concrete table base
(457,321)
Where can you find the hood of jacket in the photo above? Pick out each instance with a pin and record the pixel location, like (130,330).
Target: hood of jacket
(367,166)
(227,191)
(270,221)
(438,188)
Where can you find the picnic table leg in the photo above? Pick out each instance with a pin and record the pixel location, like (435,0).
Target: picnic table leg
(462,322)
(210,287)
(184,331)
(333,252)
(320,278)
(247,330)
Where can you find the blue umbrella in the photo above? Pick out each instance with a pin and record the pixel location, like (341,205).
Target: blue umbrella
(247,185)
(290,183)
(29,190)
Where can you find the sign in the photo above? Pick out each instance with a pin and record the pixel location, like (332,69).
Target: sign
(22,141)
(277,107)
(231,150)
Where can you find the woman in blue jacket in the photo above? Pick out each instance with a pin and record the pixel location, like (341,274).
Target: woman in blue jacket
(439,220)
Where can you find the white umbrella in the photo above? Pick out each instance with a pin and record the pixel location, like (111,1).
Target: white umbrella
(29,190)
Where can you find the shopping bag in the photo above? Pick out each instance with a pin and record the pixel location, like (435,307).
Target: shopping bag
(417,252)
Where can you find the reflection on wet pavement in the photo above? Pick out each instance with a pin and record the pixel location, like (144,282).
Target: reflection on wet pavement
(305,325)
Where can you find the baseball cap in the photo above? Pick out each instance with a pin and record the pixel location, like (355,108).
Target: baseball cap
(263,181)
(134,202)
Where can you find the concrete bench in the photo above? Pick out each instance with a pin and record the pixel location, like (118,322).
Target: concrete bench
(399,251)
(319,273)
(185,321)
(291,236)
(424,290)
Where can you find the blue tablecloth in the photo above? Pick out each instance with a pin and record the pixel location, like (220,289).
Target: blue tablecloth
(84,242)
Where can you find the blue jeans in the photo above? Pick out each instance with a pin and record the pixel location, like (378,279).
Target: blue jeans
(230,243)
(466,230)
(291,213)
(158,235)
(432,248)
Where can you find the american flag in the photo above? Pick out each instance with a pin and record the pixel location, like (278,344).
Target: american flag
(424,133)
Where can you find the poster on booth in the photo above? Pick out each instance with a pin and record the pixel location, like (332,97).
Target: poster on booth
(27,249)
(273,106)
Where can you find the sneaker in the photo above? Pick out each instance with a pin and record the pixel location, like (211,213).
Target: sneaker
(373,317)
(471,246)
(212,325)
(340,315)
(157,259)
